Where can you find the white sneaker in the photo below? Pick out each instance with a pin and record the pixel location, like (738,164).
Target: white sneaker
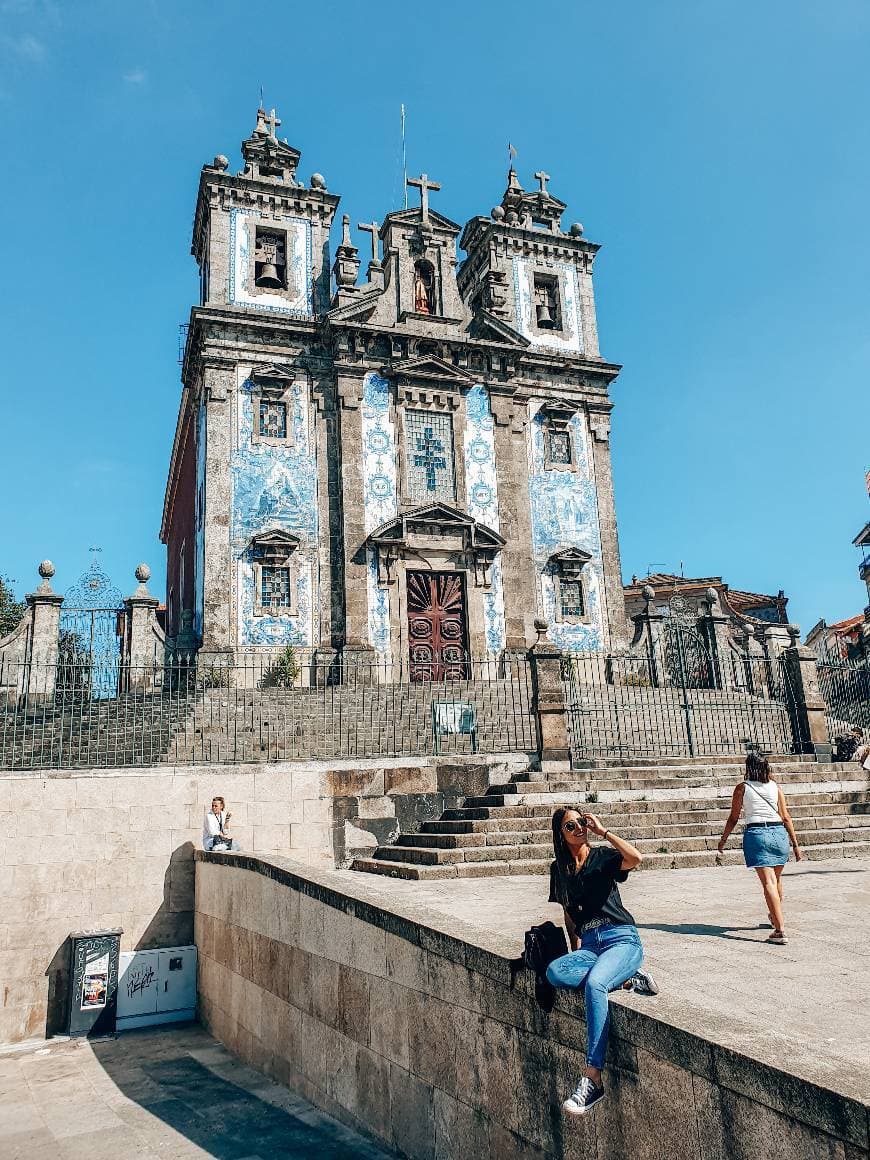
(584,1097)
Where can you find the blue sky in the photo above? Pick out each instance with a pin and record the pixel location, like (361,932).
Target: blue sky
(719,153)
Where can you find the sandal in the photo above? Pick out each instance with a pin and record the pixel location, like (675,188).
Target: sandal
(778,938)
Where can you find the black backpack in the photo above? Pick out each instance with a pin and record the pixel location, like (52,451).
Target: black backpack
(543,944)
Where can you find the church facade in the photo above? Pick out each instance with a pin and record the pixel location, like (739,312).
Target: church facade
(414,467)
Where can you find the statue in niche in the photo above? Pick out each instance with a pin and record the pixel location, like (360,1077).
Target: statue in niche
(424,288)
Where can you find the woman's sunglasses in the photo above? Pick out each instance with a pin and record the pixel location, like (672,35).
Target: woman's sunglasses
(572,826)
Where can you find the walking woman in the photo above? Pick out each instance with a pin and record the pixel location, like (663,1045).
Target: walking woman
(605,946)
(767,832)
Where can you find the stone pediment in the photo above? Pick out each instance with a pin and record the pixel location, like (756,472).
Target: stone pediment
(273,545)
(430,370)
(569,562)
(486,326)
(441,526)
(414,217)
(270,373)
(360,310)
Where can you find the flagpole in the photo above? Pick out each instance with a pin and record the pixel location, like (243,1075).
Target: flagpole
(404,159)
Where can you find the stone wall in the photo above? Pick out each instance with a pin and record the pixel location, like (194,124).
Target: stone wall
(417,1036)
(115,848)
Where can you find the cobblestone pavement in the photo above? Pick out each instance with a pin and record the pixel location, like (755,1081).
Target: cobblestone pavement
(171,1093)
(804,1007)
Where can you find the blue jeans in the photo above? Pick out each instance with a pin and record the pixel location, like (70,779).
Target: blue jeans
(608,956)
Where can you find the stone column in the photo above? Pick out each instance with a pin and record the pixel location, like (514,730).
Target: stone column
(219,383)
(615,619)
(549,701)
(718,626)
(809,709)
(140,615)
(355,627)
(519,577)
(329,539)
(43,650)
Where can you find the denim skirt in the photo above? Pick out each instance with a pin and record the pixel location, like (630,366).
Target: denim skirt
(765,846)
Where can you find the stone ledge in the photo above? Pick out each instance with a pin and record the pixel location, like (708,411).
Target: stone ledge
(783,1090)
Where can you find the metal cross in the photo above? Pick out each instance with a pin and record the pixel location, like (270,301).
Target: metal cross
(429,460)
(371,228)
(543,178)
(424,185)
(274,122)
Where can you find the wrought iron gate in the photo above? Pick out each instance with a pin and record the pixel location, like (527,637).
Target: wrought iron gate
(90,644)
(672,701)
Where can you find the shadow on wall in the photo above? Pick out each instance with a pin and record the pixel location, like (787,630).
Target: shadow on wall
(171,925)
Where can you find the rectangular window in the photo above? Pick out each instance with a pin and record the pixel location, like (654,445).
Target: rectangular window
(570,598)
(273,419)
(274,587)
(429,447)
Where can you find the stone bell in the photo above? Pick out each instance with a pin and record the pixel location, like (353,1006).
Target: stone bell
(545,317)
(268,276)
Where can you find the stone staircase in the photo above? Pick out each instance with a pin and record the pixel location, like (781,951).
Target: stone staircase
(672,809)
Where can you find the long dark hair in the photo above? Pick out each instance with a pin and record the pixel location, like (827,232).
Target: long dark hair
(564,857)
(757,768)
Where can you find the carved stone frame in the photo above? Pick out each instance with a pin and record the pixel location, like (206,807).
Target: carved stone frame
(252,224)
(557,416)
(552,275)
(570,564)
(272,384)
(274,548)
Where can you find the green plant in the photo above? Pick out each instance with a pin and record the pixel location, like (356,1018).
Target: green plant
(283,672)
(11,610)
(663,850)
(592,797)
(638,680)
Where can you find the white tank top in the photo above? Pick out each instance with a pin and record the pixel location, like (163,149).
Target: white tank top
(760,800)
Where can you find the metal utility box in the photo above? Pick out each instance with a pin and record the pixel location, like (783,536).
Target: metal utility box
(93,981)
(156,986)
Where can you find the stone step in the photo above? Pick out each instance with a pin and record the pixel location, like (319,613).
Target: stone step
(669,861)
(416,872)
(430,857)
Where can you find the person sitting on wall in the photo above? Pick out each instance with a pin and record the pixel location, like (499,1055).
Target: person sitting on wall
(606,949)
(215,831)
(862,749)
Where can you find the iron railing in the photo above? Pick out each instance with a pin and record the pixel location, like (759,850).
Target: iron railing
(845,686)
(288,706)
(625,705)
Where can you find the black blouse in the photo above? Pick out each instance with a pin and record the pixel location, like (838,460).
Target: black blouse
(591,892)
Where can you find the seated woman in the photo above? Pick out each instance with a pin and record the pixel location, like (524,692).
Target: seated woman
(606,948)
(215,830)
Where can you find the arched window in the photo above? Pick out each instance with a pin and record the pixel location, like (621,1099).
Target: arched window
(424,287)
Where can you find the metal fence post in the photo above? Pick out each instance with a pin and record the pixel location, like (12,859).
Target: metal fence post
(549,700)
(44,645)
(810,712)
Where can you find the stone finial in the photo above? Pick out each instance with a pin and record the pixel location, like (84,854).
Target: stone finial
(512,217)
(541,627)
(372,229)
(497,213)
(576,230)
(220,162)
(46,570)
(345,231)
(318,181)
(542,178)
(648,593)
(712,596)
(143,575)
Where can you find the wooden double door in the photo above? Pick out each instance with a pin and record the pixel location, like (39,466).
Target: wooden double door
(437,626)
